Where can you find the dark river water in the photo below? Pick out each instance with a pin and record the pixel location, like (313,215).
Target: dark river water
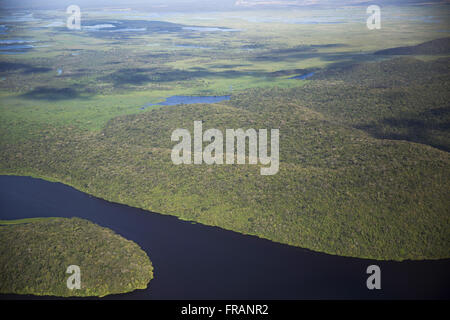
(194,261)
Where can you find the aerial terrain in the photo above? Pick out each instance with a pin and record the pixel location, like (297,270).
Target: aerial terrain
(363,117)
(42,247)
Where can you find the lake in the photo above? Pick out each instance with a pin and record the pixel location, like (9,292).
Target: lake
(9,46)
(303,76)
(193,261)
(174,100)
(210,29)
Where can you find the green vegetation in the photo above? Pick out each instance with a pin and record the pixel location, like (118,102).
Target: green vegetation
(438,46)
(364,166)
(398,99)
(339,190)
(35,254)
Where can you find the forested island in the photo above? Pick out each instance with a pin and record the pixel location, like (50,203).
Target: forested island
(35,255)
(364,138)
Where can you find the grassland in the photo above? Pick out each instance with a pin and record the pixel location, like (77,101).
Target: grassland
(35,254)
(364,143)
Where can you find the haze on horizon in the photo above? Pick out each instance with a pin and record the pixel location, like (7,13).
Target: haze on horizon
(198,5)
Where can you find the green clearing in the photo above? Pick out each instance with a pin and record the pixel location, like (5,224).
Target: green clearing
(364,142)
(35,254)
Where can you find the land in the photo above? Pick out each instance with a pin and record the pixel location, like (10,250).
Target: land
(364,162)
(36,253)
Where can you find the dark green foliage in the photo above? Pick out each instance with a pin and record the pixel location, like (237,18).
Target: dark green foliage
(437,46)
(34,258)
(399,99)
(340,190)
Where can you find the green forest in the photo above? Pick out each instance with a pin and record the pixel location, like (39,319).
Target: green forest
(364,139)
(35,254)
(363,163)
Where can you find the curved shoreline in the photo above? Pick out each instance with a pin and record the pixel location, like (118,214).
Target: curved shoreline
(107,263)
(194,261)
(53,180)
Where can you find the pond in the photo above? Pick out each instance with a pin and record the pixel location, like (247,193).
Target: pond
(304,76)
(15,46)
(175,100)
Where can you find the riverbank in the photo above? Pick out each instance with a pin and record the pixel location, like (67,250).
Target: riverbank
(194,261)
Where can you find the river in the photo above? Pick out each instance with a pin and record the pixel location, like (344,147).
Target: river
(193,261)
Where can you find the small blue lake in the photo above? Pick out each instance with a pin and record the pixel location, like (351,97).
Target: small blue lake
(210,29)
(16,47)
(303,76)
(174,100)
(13,52)
(15,41)
(190,46)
